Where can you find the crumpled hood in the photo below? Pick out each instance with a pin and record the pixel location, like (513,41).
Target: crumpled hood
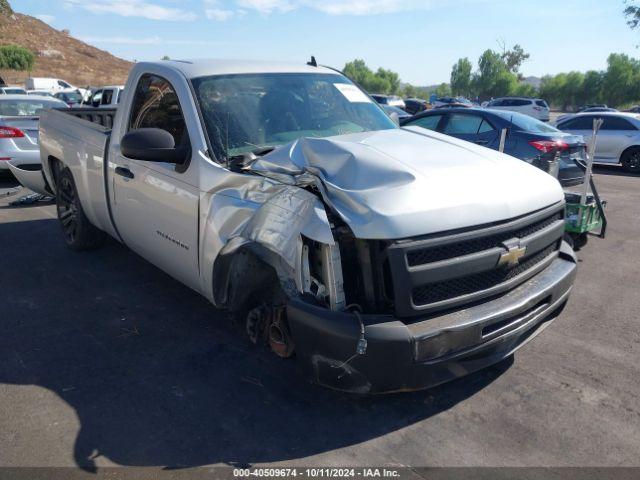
(407,182)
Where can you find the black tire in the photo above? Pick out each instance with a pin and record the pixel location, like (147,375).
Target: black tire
(579,241)
(79,233)
(630,160)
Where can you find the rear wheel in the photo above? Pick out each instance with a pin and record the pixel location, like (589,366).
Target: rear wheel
(79,233)
(631,160)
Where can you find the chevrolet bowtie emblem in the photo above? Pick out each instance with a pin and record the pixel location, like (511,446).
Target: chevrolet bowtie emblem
(513,256)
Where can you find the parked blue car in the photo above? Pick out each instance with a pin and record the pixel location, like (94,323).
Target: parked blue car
(528,139)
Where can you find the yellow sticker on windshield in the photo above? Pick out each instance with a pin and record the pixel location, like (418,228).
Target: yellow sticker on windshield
(352,93)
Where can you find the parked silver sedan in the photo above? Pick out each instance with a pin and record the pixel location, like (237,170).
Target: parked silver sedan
(618,138)
(19,116)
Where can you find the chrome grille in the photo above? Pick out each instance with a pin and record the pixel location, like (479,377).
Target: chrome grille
(452,270)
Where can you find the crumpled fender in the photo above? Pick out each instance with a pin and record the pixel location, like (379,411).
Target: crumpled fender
(252,211)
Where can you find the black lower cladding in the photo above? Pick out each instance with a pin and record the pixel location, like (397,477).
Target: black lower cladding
(450,270)
(431,350)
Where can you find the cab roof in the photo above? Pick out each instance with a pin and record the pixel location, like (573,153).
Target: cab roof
(203,68)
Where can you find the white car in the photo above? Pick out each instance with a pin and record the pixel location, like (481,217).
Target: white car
(19,115)
(41,93)
(107,97)
(12,91)
(391,100)
(534,107)
(618,138)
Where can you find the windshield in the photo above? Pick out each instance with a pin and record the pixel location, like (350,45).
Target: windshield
(26,108)
(247,111)
(525,122)
(12,91)
(71,97)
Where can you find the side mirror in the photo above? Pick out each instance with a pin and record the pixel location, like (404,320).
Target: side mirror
(152,145)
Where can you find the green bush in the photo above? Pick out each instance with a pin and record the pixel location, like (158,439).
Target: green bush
(14,57)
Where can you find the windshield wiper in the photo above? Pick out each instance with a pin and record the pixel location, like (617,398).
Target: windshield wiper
(237,163)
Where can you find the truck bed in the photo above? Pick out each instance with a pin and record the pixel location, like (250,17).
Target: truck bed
(100,116)
(78,137)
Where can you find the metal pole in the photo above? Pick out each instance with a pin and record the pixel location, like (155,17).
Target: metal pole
(591,153)
(503,138)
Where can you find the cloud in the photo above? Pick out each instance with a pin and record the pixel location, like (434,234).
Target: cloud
(268,6)
(219,14)
(368,7)
(46,18)
(228,9)
(132,8)
(145,41)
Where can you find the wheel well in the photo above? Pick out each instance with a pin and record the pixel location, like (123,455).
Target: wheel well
(56,166)
(628,149)
(243,275)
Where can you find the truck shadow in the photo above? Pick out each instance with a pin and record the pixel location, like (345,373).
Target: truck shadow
(157,377)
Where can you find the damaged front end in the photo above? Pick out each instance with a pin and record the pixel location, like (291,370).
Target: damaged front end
(315,246)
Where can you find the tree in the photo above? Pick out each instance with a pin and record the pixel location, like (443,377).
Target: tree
(165,57)
(514,58)
(357,71)
(592,86)
(14,57)
(392,78)
(620,79)
(443,90)
(461,77)
(632,12)
(410,91)
(5,8)
(525,90)
(382,81)
(492,78)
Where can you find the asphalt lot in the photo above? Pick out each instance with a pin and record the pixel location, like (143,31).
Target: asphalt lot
(106,360)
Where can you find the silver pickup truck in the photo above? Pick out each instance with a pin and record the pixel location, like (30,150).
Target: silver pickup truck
(382,258)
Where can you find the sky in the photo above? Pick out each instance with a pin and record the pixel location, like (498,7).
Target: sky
(419,39)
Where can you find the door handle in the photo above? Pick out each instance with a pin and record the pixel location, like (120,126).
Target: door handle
(482,142)
(124,172)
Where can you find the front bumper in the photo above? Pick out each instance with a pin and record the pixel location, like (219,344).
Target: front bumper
(424,353)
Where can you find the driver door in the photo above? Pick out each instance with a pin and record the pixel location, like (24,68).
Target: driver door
(155,204)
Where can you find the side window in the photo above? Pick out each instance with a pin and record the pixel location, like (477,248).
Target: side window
(542,103)
(107,95)
(580,123)
(616,123)
(97,98)
(63,84)
(485,127)
(429,122)
(155,105)
(460,124)
(520,103)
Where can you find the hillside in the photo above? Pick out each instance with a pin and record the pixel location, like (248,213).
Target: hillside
(58,54)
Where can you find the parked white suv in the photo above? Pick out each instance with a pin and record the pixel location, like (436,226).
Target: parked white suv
(534,107)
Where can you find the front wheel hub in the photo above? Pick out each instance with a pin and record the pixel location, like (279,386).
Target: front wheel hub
(268,324)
